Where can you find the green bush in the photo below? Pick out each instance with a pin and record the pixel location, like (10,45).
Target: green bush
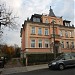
(40,58)
(23,61)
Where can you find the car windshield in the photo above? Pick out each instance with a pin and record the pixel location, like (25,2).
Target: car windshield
(60,57)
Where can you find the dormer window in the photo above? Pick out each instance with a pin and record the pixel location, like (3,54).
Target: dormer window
(67,24)
(36,19)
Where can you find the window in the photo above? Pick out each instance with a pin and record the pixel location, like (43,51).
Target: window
(61,33)
(72,44)
(36,19)
(46,21)
(40,43)
(46,43)
(70,34)
(67,24)
(40,31)
(66,34)
(33,43)
(67,56)
(62,44)
(67,44)
(33,30)
(46,31)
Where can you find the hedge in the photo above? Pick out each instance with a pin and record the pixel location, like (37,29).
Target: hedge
(40,58)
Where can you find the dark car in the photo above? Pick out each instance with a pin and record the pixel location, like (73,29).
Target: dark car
(63,61)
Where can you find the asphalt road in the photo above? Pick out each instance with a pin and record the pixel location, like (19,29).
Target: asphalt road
(68,71)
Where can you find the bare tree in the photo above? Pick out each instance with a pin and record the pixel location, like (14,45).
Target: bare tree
(7,19)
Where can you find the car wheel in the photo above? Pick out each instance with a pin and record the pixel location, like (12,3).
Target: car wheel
(61,66)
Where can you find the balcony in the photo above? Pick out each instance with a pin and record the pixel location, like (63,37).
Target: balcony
(56,36)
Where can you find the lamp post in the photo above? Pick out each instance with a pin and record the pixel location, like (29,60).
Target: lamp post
(71,47)
(0,22)
(54,50)
(0,13)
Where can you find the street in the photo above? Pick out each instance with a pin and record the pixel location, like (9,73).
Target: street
(68,71)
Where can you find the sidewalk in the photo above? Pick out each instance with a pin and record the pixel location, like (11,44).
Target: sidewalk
(1,71)
(6,71)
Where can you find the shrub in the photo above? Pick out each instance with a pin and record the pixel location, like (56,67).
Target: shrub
(23,61)
(40,58)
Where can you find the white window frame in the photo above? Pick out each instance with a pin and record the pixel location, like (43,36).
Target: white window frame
(46,42)
(66,34)
(32,31)
(61,33)
(70,33)
(39,31)
(62,44)
(33,43)
(46,21)
(40,43)
(46,31)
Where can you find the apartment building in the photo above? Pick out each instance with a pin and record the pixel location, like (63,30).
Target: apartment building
(37,34)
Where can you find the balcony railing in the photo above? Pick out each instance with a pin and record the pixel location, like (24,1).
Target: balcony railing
(56,36)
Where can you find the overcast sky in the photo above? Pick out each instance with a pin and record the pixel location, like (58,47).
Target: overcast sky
(25,8)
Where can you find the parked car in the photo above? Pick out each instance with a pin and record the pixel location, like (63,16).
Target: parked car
(63,61)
